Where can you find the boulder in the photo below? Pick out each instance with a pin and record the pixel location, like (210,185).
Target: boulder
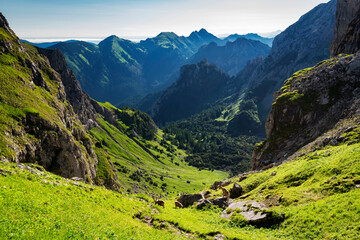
(220,237)
(255,213)
(221,202)
(202,203)
(189,199)
(236,191)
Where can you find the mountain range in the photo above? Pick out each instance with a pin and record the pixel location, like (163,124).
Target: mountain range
(239,109)
(232,57)
(301,45)
(116,64)
(251,36)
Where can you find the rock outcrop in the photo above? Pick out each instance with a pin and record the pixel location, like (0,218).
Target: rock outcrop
(189,199)
(253,213)
(351,41)
(310,104)
(236,191)
(345,14)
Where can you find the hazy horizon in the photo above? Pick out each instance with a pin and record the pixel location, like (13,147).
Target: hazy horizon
(96,40)
(139,19)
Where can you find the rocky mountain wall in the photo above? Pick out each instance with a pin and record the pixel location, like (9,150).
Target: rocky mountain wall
(345,13)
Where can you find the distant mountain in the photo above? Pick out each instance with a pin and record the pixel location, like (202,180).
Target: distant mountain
(120,71)
(199,37)
(105,70)
(48,44)
(198,86)
(251,36)
(232,57)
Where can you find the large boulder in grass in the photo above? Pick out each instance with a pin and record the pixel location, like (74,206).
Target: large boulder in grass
(236,191)
(221,202)
(253,213)
(189,199)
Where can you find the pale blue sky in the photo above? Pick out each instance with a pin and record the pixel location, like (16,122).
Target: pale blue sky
(101,18)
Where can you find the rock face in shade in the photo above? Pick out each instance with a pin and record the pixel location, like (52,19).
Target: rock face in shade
(346,12)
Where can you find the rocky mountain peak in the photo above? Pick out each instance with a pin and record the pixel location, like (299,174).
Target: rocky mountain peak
(5,25)
(3,22)
(202,34)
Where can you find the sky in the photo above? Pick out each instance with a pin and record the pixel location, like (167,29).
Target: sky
(136,19)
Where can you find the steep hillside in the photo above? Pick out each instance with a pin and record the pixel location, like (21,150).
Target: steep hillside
(121,71)
(47,119)
(232,57)
(37,122)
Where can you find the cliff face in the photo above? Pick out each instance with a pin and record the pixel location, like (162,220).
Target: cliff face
(345,14)
(316,106)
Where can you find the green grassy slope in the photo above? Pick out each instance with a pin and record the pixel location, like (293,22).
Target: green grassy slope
(46,206)
(316,205)
(147,165)
(317,192)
